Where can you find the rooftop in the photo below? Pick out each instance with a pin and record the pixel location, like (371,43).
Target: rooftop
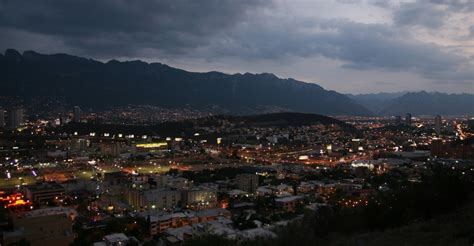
(288,199)
(115,238)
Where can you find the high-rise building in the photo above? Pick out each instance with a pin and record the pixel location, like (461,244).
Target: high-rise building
(14,118)
(2,118)
(408,119)
(398,120)
(437,124)
(77,114)
(247,182)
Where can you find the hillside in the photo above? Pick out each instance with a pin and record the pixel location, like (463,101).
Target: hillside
(375,102)
(417,103)
(452,229)
(188,127)
(91,83)
(424,103)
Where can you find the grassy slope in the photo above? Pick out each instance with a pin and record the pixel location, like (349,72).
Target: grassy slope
(451,229)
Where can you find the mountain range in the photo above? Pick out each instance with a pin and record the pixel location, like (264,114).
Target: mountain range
(417,103)
(96,84)
(93,83)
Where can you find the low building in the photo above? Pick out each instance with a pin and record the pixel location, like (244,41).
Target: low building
(199,197)
(41,229)
(69,212)
(153,198)
(44,192)
(115,178)
(117,239)
(160,223)
(288,204)
(212,214)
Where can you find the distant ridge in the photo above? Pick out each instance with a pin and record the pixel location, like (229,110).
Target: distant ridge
(93,83)
(424,103)
(417,103)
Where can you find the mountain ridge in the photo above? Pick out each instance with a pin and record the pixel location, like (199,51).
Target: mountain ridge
(89,82)
(425,103)
(417,103)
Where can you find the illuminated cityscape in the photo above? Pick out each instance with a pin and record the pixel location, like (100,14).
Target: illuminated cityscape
(239,177)
(103,143)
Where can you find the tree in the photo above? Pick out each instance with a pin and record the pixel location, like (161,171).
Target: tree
(209,240)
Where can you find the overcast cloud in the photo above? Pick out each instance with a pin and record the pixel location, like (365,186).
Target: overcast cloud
(345,45)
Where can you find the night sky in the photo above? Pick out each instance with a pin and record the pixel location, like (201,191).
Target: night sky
(351,46)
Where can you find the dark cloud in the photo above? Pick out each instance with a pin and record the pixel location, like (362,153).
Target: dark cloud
(428,13)
(122,27)
(234,29)
(384,83)
(359,46)
(451,5)
(380,3)
(454,5)
(422,14)
(349,1)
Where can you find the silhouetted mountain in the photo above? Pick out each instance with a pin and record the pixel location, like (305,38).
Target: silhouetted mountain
(375,102)
(287,119)
(424,103)
(92,83)
(417,103)
(188,127)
